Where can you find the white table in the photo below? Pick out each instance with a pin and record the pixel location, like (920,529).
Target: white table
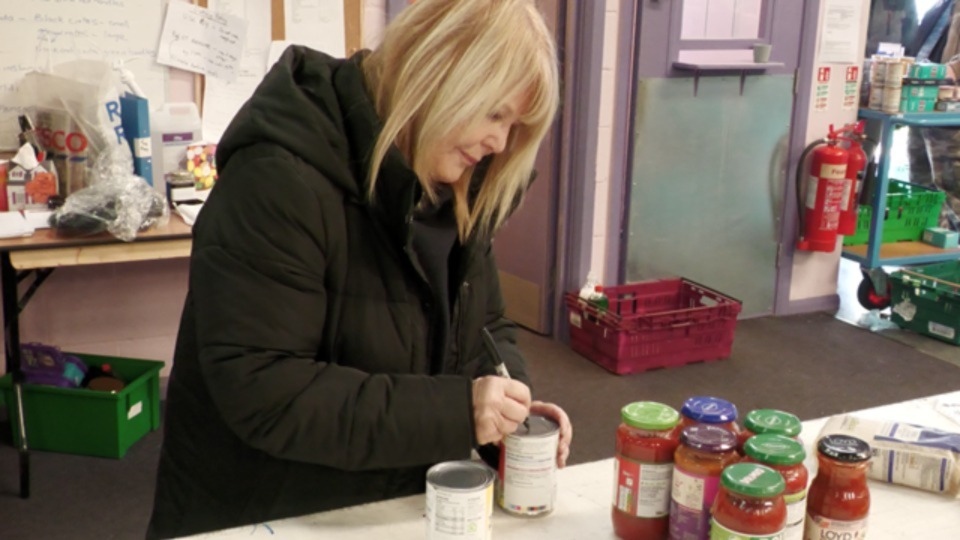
(584,497)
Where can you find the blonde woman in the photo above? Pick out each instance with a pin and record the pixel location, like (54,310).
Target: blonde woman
(330,347)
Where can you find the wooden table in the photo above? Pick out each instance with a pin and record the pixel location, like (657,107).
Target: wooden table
(35,257)
(584,499)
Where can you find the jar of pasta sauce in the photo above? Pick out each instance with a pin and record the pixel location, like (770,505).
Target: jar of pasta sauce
(784,455)
(838,502)
(749,504)
(772,421)
(643,469)
(704,452)
(709,410)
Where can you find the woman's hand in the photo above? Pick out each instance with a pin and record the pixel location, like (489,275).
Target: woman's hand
(499,406)
(566,428)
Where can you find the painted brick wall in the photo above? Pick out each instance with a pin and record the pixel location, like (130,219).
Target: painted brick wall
(605,139)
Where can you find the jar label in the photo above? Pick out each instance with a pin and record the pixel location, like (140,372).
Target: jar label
(642,489)
(796,511)
(821,528)
(691,497)
(719,532)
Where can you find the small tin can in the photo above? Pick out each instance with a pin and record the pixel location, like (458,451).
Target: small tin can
(876,97)
(181,187)
(460,501)
(891,99)
(527,479)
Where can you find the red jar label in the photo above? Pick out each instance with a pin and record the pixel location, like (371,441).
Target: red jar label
(642,489)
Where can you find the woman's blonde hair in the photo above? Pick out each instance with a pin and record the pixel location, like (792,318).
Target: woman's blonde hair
(446,64)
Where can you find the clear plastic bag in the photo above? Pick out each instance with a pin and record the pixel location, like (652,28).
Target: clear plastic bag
(121,204)
(76,110)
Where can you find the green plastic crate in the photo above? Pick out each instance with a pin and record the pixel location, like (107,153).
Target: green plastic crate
(89,422)
(910,210)
(926,300)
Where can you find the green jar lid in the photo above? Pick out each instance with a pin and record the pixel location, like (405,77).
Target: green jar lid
(752,480)
(774,449)
(649,415)
(772,421)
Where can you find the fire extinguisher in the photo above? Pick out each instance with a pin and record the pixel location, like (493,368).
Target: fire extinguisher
(856,163)
(820,214)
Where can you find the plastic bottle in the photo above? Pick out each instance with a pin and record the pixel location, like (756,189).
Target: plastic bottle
(173,127)
(599,299)
(589,287)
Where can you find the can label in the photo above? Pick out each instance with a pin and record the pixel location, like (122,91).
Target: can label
(459,515)
(527,479)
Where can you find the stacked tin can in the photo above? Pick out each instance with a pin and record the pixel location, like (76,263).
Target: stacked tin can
(886,83)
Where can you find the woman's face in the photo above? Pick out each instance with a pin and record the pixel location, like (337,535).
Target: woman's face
(464,148)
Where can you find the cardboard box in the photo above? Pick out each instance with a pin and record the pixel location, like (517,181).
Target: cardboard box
(940,237)
(926,92)
(909,105)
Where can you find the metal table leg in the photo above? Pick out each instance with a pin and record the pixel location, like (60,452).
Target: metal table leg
(11,338)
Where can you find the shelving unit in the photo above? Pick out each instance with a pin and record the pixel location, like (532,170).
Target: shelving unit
(875,253)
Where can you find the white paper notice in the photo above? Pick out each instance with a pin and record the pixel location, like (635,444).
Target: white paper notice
(200,40)
(276,51)
(318,24)
(222,99)
(36,32)
(840,32)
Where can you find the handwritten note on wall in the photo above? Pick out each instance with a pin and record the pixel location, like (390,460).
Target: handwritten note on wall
(38,33)
(201,40)
(318,24)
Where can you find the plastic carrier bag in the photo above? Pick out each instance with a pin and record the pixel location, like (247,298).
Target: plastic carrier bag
(75,109)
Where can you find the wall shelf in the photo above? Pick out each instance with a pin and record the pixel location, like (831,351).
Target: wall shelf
(699,68)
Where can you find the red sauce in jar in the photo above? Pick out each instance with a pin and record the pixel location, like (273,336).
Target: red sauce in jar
(784,455)
(704,452)
(749,503)
(839,499)
(646,441)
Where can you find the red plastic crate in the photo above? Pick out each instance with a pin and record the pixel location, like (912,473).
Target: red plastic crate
(654,324)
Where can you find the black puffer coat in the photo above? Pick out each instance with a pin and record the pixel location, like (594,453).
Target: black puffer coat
(301,379)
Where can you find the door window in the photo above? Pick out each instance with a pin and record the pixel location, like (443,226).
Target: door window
(721,19)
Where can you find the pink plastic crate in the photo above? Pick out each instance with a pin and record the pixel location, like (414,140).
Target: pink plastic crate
(654,324)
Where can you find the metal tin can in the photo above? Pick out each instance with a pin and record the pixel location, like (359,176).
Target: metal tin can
(527,479)
(876,97)
(891,99)
(460,501)
(895,73)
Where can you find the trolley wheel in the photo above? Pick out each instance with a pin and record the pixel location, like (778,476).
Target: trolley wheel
(868,297)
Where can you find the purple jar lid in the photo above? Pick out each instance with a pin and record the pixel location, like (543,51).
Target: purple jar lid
(709,410)
(707,438)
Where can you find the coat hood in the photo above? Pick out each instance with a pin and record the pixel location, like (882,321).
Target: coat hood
(317,108)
